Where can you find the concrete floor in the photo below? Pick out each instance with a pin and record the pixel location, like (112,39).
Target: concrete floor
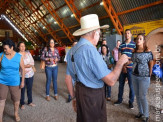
(60,111)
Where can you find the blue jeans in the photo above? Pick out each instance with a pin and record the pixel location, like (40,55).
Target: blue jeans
(121,85)
(28,83)
(141,85)
(107,91)
(51,74)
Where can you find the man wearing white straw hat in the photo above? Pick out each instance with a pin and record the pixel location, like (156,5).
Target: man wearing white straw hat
(87,68)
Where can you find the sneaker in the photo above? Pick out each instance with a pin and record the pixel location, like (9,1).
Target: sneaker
(108,99)
(138,116)
(117,103)
(145,119)
(131,106)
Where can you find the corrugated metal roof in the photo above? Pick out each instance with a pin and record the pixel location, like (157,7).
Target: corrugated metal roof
(58,3)
(98,9)
(61,34)
(152,13)
(70,21)
(74,29)
(122,5)
(64,12)
(106,21)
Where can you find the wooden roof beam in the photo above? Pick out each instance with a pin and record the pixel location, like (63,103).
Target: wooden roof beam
(83,9)
(58,19)
(22,23)
(74,10)
(42,20)
(70,27)
(25,14)
(141,7)
(113,16)
(21,29)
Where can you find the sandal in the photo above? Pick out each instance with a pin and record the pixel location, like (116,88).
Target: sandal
(22,107)
(17,118)
(32,104)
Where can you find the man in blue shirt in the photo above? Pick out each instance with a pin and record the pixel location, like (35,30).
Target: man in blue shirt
(127,48)
(87,68)
(69,96)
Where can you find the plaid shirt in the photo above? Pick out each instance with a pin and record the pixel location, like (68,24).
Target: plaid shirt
(46,54)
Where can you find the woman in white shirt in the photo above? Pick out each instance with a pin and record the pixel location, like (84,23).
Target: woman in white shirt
(29,73)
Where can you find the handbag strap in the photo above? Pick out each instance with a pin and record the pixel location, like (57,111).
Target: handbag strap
(2,57)
(73,61)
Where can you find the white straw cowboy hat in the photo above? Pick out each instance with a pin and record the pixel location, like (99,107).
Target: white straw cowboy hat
(89,23)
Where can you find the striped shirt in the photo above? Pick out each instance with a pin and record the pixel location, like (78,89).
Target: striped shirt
(128,50)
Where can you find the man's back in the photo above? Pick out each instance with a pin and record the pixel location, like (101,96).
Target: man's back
(89,65)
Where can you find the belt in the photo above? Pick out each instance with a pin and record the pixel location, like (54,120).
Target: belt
(88,88)
(51,65)
(79,83)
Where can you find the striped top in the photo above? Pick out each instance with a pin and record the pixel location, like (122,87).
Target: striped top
(128,50)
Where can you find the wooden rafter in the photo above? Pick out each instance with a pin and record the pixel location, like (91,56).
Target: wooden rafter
(58,19)
(42,20)
(113,16)
(86,8)
(77,25)
(74,10)
(26,16)
(4,5)
(21,29)
(141,7)
(22,24)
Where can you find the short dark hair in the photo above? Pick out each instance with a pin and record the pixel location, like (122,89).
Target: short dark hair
(118,40)
(9,42)
(128,30)
(18,45)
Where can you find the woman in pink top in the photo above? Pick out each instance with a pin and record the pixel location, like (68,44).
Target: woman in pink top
(29,73)
(115,51)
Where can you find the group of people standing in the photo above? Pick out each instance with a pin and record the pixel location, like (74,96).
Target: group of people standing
(17,74)
(90,71)
(137,70)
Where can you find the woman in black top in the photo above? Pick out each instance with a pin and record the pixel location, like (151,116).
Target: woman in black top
(142,70)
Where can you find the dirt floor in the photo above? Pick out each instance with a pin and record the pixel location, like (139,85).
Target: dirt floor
(60,111)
